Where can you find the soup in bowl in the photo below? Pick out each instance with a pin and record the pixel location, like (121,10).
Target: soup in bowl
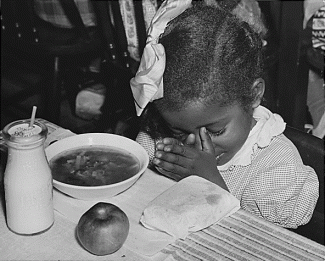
(95,165)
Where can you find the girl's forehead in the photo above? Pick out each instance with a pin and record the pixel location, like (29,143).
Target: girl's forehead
(199,115)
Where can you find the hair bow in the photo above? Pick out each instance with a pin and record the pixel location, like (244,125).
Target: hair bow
(147,84)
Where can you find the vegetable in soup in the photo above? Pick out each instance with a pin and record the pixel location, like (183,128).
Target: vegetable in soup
(94,166)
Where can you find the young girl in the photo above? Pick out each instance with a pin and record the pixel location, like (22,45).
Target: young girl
(199,90)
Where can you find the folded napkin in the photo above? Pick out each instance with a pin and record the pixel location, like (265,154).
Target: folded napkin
(190,205)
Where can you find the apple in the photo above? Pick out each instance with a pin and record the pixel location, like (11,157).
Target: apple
(103,229)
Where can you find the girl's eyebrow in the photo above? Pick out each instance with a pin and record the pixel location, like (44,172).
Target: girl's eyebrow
(211,124)
(216,122)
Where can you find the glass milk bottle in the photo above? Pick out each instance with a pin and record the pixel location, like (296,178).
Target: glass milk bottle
(27,179)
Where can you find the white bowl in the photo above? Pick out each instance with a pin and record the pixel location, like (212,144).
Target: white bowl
(95,139)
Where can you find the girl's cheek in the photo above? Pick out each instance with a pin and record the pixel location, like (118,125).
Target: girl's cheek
(214,141)
(217,145)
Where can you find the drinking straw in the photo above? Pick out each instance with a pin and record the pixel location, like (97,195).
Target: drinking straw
(32,119)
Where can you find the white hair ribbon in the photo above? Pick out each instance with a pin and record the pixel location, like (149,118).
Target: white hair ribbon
(147,84)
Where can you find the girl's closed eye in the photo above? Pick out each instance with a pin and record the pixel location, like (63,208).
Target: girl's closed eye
(216,133)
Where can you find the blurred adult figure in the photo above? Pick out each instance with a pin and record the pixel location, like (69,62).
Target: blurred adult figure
(314,21)
(52,16)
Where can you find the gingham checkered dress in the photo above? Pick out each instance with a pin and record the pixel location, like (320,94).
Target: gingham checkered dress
(275,184)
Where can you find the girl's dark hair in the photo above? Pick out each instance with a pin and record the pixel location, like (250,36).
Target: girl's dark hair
(211,57)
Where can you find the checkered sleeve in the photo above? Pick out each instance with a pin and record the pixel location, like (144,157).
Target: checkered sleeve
(284,192)
(148,144)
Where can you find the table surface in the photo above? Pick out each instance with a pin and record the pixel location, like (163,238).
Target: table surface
(241,236)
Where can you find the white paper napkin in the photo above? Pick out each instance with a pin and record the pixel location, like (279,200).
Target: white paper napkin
(190,205)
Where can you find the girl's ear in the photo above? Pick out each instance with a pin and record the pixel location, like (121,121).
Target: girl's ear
(258,89)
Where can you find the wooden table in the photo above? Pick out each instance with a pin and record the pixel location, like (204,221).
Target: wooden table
(241,236)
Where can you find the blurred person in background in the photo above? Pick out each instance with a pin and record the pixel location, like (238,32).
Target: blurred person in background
(51,15)
(90,99)
(314,20)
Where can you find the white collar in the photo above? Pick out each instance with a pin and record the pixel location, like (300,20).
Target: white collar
(268,126)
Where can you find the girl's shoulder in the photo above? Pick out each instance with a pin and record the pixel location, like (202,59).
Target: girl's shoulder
(280,150)
(282,142)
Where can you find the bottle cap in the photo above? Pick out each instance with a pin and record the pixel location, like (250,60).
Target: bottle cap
(20,132)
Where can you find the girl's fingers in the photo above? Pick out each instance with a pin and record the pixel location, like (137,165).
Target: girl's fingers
(190,140)
(171,141)
(176,169)
(172,152)
(167,142)
(198,142)
(206,142)
(160,146)
(169,157)
(169,174)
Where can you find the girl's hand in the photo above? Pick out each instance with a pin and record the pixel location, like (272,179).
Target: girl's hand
(196,157)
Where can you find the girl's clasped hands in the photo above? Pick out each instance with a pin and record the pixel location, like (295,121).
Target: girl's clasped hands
(194,156)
